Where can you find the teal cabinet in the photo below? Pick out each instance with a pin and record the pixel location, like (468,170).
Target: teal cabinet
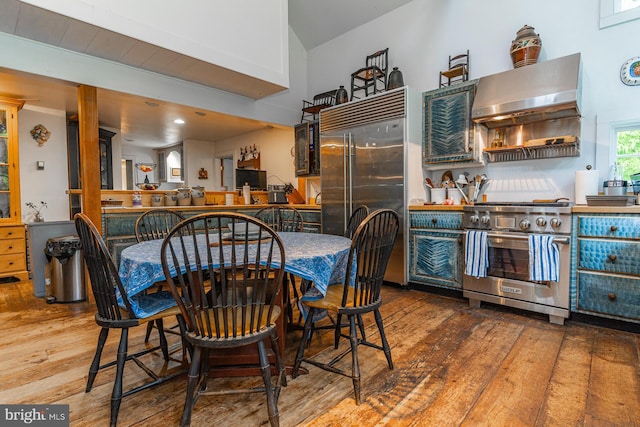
(605,279)
(435,249)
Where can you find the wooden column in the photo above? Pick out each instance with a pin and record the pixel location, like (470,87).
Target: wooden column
(89,153)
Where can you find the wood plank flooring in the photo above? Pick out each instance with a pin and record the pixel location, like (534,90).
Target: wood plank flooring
(454,365)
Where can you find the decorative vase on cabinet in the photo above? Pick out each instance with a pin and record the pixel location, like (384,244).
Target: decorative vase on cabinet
(525,49)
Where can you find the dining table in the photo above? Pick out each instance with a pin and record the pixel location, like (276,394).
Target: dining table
(320,259)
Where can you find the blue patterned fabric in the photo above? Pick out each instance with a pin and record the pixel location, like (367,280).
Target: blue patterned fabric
(476,254)
(544,258)
(320,258)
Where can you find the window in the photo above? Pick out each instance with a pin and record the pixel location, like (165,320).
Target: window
(614,12)
(628,149)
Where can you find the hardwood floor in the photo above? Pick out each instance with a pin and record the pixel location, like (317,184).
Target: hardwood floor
(454,365)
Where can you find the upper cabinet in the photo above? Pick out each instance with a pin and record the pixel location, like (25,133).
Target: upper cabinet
(307,149)
(448,129)
(9,164)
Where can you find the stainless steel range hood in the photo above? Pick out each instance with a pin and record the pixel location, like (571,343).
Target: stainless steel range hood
(543,91)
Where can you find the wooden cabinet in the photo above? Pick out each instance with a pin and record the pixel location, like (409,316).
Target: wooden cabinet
(448,129)
(13,258)
(435,248)
(307,149)
(13,252)
(607,266)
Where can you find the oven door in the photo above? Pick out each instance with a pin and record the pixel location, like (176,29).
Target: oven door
(508,273)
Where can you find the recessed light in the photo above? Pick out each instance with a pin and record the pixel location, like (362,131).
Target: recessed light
(178,121)
(152,104)
(200,113)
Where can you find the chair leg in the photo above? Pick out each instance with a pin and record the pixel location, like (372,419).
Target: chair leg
(338,330)
(385,344)
(361,326)
(265,369)
(303,342)
(282,375)
(148,334)
(163,339)
(192,385)
(95,364)
(116,394)
(355,367)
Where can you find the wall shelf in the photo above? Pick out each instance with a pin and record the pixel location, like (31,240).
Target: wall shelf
(515,153)
(249,164)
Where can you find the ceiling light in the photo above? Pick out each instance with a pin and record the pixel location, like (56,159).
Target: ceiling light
(178,121)
(152,104)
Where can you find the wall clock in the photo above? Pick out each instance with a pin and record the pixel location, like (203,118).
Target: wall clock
(630,71)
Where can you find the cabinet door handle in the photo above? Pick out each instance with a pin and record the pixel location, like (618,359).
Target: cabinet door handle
(612,296)
(612,258)
(613,228)
(434,220)
(10,247)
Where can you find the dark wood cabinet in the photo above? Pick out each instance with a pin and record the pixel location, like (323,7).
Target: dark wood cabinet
(307,149)
(105,162)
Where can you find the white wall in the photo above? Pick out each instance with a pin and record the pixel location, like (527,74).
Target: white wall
(48,185)
(195,27)
(275,152)
(422,34)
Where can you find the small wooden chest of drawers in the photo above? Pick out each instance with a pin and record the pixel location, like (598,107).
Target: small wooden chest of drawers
(13,254)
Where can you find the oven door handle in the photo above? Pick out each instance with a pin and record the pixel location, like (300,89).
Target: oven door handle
(563,240)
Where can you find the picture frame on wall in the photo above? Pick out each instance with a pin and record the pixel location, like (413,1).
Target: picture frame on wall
(176,172)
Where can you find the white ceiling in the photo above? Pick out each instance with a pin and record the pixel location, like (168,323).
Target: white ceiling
(314,22)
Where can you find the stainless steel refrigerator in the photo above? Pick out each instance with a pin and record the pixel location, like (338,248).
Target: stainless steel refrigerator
(370,149)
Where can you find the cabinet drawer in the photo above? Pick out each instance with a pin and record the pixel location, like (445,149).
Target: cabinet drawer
(442,220)
(622,227)
(614,256)
(12,246)
(12,262)
(12,232)
(609,294)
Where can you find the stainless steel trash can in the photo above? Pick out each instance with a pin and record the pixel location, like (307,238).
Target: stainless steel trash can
(66,266)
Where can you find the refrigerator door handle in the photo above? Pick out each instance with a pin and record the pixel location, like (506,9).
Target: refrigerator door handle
(345,186)
(348,211)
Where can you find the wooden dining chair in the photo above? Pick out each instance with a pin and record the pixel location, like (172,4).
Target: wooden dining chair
(288,219)
(114,314)
(370,251)
(240,305)
(153,225)
(357,216)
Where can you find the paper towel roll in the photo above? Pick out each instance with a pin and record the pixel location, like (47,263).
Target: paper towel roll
(586,185)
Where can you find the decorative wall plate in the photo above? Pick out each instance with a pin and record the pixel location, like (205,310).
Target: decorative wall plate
(630,71)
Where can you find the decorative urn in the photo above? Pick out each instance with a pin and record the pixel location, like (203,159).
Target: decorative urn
(525,49)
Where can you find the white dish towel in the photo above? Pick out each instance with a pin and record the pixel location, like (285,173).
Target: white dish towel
(544,258)
(476,254)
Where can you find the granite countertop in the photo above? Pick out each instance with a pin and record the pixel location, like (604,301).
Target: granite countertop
(633,209)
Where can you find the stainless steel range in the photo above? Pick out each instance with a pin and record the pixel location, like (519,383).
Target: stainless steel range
(507,280)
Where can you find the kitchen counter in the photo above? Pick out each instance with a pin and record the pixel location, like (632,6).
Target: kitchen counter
(454,208)
(634,209)
(131,209)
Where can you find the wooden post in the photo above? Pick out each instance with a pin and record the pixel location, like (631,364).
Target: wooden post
(89,153)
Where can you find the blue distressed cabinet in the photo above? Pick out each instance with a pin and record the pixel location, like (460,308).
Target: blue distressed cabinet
(606,266)
(435,248)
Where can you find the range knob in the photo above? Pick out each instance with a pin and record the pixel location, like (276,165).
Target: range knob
(473,219)
(555,222)
(485,220)
(541,222)
(524,224)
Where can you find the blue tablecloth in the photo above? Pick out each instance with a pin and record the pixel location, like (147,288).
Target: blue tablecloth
(320,258)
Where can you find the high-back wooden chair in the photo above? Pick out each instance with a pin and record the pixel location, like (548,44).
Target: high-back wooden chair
(285,218)
(372,78)
(355,219)
(113,313)
(156,223)
(370,251)
(238,306)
